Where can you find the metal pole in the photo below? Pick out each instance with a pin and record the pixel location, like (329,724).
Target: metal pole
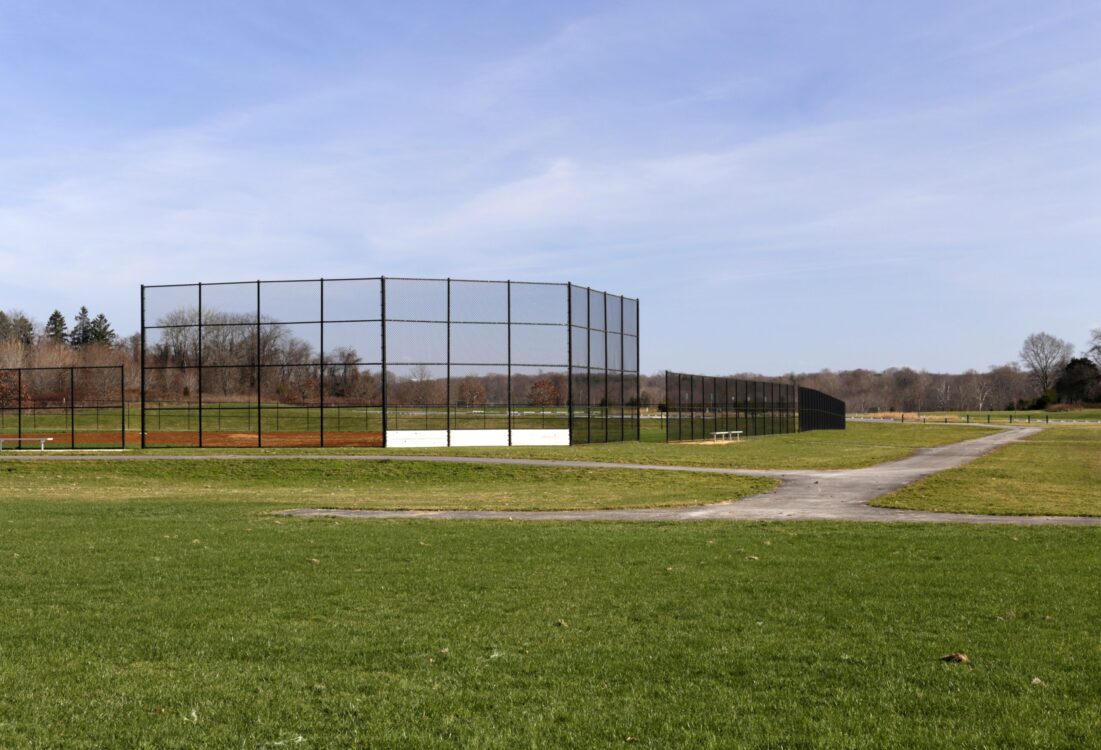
(569,360)
(259,372)
(200,368)
(604,296)
(638,370)
(122,399)
(447,396)
(668,405)
(622,369)
(142,365)
(72,407)
(382,323)
(321,373)
(19,407)
(509,327)
(588,364)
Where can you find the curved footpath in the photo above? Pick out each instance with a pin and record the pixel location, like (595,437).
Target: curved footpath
(803,495)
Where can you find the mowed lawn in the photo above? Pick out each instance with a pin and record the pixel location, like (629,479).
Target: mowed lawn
(163,622)
(367,484)
(1056,472)
(859,445)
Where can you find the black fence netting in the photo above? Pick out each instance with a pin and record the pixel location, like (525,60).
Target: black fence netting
(702,407)
(62,407)
(820,411)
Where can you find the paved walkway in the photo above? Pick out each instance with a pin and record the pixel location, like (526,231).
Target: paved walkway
(802,495)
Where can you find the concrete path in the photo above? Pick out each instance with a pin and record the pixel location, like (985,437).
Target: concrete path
(802,495)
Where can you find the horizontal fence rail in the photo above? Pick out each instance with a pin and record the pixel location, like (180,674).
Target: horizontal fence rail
(387,362)
(62,407)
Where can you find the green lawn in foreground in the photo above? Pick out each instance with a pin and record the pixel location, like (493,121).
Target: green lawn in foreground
(1056,472)
(172,623)
(368,484)
(861,444)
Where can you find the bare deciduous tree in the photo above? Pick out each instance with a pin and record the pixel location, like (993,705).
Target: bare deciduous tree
(1094,350)
(1045,356)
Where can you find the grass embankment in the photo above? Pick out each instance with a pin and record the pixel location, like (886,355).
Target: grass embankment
(860,444)
(374,484)
(1056,472)
(171,623)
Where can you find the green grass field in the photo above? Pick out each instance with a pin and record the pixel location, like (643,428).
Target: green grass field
(165,622)
(378,485)
(160,604)
(1057,472)
(860,444)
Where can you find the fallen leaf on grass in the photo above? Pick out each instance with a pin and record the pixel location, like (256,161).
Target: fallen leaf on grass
(956,658)
(1037,681)
(753,557)
(315,561)
(561,624)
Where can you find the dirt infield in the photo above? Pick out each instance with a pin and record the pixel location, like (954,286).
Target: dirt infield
(270,439)
(65,439)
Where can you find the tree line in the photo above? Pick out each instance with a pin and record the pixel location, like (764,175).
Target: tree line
(1049,371)
(16,326)
(1049,374)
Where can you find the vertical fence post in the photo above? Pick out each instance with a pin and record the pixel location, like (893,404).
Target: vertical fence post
(72,407)
(588,364)
(569,360)
(141,417)
(321,375)
(259,375)
(508,318)
(447,391)
(122,400)
(200,379)
(638,371)
(19,407)
(382,325)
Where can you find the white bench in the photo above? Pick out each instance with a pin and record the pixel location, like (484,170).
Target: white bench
(41,441)
(735,435)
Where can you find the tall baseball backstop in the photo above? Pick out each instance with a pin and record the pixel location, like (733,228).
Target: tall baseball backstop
(396,362)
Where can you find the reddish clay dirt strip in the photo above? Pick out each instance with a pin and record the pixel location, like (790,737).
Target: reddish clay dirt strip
(271,439)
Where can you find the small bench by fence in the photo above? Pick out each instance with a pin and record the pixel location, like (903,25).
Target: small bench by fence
(41,441)
(725,435)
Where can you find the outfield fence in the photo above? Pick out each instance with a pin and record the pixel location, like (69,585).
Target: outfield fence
(703,407)
(62,407)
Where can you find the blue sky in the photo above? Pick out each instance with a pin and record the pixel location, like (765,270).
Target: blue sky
(786,186)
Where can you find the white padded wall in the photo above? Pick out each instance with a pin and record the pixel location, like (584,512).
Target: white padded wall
(416,439)
(536,437)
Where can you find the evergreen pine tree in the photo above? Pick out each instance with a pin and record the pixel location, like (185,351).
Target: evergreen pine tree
(100,331)
(16,326)
(57,329)
(82,328)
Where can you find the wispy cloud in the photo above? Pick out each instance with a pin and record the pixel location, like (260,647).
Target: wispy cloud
(635,148)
